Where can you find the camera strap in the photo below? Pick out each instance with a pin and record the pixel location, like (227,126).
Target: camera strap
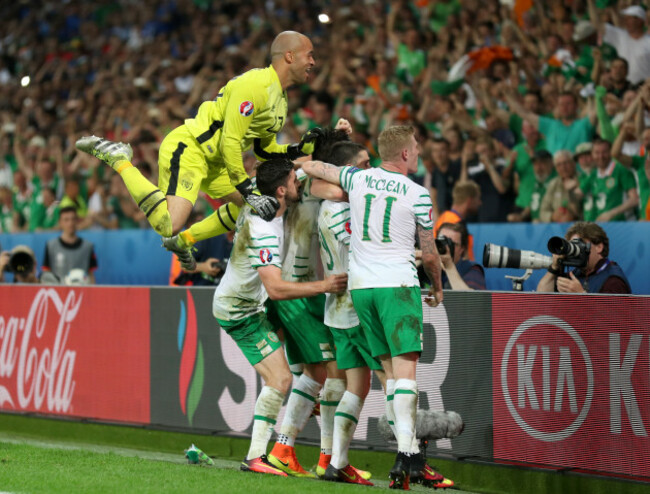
(602,268)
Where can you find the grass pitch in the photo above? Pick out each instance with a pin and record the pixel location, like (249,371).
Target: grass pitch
(45,455)
(28,465)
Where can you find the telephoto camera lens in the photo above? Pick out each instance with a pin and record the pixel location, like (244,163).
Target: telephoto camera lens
(496,256)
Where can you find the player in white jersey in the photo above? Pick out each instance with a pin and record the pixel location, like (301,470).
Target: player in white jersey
(254,273)
(352,351)
(387,209)
(308,341)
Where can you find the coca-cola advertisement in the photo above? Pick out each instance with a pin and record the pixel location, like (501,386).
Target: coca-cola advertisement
(80,352)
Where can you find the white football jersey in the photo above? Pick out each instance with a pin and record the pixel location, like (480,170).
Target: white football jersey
(300,260)
(334,233)
(257,243)
(385,209)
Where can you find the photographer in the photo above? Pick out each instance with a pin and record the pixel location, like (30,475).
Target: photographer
(21,262)
(597,275)
(459,273)
(210,255)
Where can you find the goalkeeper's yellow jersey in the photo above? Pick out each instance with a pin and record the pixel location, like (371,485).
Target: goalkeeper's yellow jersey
(248,111)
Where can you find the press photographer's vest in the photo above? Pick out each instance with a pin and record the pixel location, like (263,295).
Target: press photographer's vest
(65,257)
(596,281)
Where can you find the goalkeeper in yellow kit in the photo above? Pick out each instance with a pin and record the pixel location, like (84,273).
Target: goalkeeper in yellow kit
(205,153)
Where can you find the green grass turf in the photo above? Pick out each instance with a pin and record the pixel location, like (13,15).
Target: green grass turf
(112,452)
(28,468)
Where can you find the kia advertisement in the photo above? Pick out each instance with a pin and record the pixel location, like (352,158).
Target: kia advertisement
(80,352)
(571,380)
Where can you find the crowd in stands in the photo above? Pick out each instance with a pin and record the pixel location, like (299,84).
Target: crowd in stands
(543,104)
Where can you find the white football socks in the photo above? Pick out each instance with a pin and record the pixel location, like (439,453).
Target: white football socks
(405,406)
(267,407)
(299,409)
(345,423)
(331,395)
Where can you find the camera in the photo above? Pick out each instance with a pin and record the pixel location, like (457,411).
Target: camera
(575,252)
(21,261)
(496,256)
(443,243)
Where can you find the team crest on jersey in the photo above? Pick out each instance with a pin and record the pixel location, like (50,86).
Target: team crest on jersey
(266,256)
(186,183)
(246,108)
(611,182)
(348,227)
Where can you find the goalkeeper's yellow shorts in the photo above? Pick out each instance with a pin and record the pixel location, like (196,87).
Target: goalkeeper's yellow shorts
(183,169)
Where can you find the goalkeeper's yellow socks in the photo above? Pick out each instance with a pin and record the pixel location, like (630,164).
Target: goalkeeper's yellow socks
(148,197)
(221,221)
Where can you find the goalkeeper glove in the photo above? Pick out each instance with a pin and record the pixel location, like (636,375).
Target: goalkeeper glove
(306,144)
(265,206)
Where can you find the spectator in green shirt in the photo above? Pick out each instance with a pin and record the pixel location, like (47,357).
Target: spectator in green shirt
(411,58)
(521,163)
(564,132)
(543,173)
(44,213)
(638,164)
(22,199)
(7,220)
(612,187)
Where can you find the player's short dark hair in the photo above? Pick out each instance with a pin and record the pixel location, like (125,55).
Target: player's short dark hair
(324,143)
(343,153)
(67,209)
(590,232)
(272,174)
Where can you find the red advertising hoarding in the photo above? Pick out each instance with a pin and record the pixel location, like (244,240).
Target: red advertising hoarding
(571,381)
(80,352)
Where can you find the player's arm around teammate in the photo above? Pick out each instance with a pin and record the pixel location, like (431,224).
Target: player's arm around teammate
(279,289)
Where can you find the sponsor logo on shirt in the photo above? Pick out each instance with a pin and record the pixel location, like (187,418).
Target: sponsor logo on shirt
(266,256)
(246,108)
(430,214)
(348,227)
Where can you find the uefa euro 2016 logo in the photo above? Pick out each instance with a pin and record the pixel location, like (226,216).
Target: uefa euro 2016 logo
(266,256)
(192,369)
(246,108)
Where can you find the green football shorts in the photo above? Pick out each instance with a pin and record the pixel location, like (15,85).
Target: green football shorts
(254,335)
(391,319)
(306,338)
(352,349)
